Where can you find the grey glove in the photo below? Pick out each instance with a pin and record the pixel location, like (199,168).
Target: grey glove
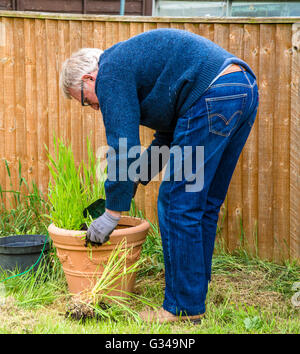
(100,229)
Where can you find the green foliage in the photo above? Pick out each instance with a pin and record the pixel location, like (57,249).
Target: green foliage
(71,189)
(152,252)
(26,207)
(36,288)
(115,271)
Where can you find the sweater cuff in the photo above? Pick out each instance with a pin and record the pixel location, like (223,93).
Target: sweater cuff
(121,204)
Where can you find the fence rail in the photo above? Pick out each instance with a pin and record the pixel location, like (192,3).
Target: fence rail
(262,208)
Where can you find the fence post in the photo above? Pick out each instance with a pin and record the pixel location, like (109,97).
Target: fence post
(295,146)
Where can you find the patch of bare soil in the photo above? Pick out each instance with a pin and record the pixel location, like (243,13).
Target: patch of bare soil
(16,319)
(244,288)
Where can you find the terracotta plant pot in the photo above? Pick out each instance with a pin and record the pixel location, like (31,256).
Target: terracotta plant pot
(83,266)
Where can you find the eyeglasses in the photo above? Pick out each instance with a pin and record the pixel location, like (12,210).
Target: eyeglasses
(83,103)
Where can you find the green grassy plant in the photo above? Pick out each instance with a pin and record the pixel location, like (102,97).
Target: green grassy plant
(72,189)
(115,272)
(152,252)
(36,288)
(25,207)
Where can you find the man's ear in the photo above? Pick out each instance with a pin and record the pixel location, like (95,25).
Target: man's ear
(91,76)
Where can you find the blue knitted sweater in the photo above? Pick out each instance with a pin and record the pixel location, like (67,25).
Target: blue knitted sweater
(150,79)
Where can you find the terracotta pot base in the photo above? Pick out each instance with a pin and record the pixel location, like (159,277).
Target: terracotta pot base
(83,266)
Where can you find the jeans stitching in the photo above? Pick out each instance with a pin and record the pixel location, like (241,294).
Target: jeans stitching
(222,98)
(254,82)
(208,100)
(247,78)
(230,84)
(171,268)
(252,93)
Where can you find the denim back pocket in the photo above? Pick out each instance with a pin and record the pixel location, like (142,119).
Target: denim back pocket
(224,113)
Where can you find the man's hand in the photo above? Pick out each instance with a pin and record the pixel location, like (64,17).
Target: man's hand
(100,229)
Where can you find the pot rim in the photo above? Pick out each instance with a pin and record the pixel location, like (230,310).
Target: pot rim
(144,225)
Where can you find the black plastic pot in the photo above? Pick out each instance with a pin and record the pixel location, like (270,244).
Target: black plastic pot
(22,251)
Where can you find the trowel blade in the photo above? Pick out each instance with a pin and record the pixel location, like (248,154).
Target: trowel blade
(95,209)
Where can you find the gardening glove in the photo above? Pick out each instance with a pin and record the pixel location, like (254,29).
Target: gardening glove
(100,229)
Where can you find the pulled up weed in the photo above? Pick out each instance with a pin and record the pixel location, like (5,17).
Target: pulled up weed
(100,300)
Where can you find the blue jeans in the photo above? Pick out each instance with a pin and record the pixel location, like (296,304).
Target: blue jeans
(220,121)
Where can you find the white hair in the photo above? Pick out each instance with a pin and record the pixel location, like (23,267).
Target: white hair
(82,62)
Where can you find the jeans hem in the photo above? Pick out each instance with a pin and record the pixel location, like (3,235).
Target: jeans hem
(174,310)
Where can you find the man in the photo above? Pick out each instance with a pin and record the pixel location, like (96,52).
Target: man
(195,95)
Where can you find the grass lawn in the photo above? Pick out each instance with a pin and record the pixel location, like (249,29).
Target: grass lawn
(246,294)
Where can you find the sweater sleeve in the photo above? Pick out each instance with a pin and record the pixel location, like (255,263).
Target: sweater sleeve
(120,109)
(160,139)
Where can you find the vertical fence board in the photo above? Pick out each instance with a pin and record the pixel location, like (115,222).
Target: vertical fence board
(76,111)
(20,93)
(52,81)
(31,94)
(177,25)
(191,27)
(250,152)
(64,104)
(206,30)
(295,147)
(2,107)
(88,119)
(265,131)
(221,37)
(281,143)
(9,105)
(112,33)
(235,195)
(99,37)
(42,104)
(124,31)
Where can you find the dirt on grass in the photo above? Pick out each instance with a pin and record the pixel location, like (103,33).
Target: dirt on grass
(15,318)
(245,289)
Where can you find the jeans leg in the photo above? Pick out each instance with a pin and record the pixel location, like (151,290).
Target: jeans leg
(164,227)
(180,216)
(218,189)
(220,123)
(185,276)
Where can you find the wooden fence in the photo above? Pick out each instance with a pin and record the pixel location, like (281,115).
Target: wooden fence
(262,208)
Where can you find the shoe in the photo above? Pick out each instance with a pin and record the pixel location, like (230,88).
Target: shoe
(163,316)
